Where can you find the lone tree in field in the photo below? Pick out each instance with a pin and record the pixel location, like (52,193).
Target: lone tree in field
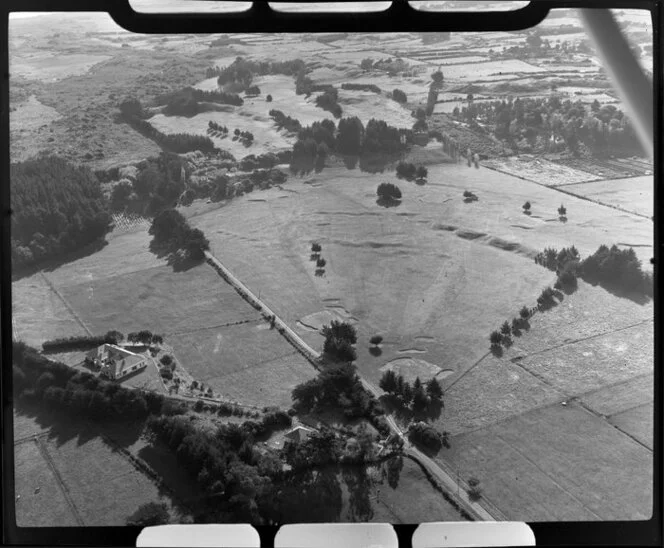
(562,211)
(269,98)
(495,338)
(320,263)
(376,340)
(388,192)
(526,208)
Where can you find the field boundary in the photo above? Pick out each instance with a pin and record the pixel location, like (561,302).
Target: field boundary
(58,478)
(567,192)
(64,301)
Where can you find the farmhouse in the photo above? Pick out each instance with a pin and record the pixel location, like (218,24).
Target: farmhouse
(114,362)
(298,434)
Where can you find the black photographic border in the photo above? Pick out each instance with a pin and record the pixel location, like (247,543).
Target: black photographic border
(260,18)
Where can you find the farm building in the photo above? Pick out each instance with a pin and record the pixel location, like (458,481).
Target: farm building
(298,434)
(115,362)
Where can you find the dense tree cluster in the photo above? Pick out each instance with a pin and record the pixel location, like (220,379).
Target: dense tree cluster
(172,234)
(361,87)
(64,388)
(388,192)
(158,183)
(187,101)
(81,342)
(286,122)
(56,207)
(253,90)
(551,123)
(242,71)
(418,397)
(339,340)
(391,65)
(224,464)
(336,388)
(613,268)
(328,101)
(264,161)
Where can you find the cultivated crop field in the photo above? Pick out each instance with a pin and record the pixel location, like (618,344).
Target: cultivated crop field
(558,463)
(539,170)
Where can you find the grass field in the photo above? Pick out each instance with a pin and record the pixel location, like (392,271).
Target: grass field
(633,194)
(637,423)
(414,500)
(558,464)
(40,501)
(70,476)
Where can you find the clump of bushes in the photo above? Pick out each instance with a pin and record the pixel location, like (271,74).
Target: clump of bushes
(425,435)
(469,196)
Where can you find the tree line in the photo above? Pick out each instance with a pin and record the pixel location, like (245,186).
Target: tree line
(60,387)
(81,342)
(361,87)
(378,141)
(57,208)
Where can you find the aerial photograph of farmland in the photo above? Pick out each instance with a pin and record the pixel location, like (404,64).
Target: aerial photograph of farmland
(328,277)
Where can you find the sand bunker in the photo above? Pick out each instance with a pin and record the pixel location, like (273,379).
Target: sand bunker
(411,368)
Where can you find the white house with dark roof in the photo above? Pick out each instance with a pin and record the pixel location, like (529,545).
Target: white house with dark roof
(115,362)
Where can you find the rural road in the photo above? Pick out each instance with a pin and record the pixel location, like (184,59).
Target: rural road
(454,489)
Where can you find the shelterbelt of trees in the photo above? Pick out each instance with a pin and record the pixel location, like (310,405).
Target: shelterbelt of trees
(57,207)
(350,139)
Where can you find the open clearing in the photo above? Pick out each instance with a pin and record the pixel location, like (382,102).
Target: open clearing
(633,194)
(558,464)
